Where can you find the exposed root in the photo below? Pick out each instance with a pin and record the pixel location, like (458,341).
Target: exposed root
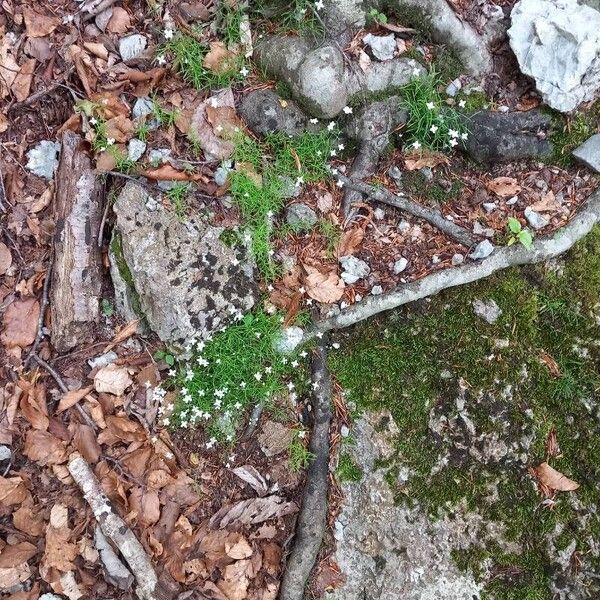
(543,249)
(430,215)
(313,514)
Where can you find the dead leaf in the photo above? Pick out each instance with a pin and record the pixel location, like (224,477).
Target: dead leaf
(146,503)
(552,447)
(12,491)
(241,549)
(547,203)
(112,379)
(22,84)
(44,448)
(20,323)
(59,552)
(351,241)
(3,122)
(325,202)
(109,105)
(9,67)
(424,158)
(96,49)
(28,519)
(552,365)
(364,61)
(73,397)
(125,333)
(33,406)
(43,201)
(170,173)
(12,556)
(253,478)
(219,59)
(5,258)
(39,24)
(120,129)
(120,21)
(554,479)
(326,288)
(234,583)
(121,429)
(86,443)
(253,511)
(505,187)
(12,577)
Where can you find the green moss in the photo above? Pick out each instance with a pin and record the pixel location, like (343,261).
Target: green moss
(447,64)
(569,132)
(415,17)
(399,362)
(348,470)
(474,101)
(116,248)
(417,184)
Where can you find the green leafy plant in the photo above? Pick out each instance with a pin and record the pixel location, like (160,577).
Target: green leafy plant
(220,377)
(299,455)
(168,357)
(142,131)
(165,117)
(107,307)
(374,16)
(523,236)
(123,164)
(301,15)
(430,123)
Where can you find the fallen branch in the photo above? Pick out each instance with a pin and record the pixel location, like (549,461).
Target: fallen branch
(543,249)
(313,513)
(115,529)
(434,217)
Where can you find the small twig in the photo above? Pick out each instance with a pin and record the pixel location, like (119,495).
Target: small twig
(313,514)
(64,389)
(43,305)
(434,217)
(103,222)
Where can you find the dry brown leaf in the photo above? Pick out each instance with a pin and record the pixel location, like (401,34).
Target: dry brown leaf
(12,577)
(39,24)
(109,105)
(33,406)
(234,583)
(43,201)
(120,129)
(364,61)
(12,556)
(325,202)
(73,397)
(59,552)
(554,479)
(170,173)
(424,158)
(112,379)
(28,519)
(146,504)
(44,448)
(20,323)
(3,122)
(125,333)
(120,21)
(5,258)
(351,241)
(326,288)
(505,187)
(552,365)
(8,66)
(552,447)
(22,84)
(253,511)
(12,491)
(547,203)
(121,429)
(241,549)
(219,59)
(96,49)
(86,443)
(224,120)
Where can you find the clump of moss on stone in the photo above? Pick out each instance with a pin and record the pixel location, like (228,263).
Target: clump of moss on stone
(427,361)
(348,470)
(116,249)
(571,131)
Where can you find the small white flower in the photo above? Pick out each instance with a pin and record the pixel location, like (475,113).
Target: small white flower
(299,181)
(333,153)
(110,141)
(336,346)
(304,354)
(270,288)
(93,121)
(319,4)
(341,147)
(331,125)
(237,405)
(243,385)
(302,434)
(258,376)
(430,105)
(453,142)
(161,60)
(416,71)
(166,421)
(314,121)
(168,34)
(244,72)
(316,385)
(434,129)
(302,289)
(340,183)
(309,302)
(462,103)
(172,373)
(290,386)
(464,136)
(416,145)
(347,110)
(295,363)
(453,133)
(319,334)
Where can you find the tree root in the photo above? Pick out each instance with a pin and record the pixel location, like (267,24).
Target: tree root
(313,514)
(435,217)
(115,529)
(543,249)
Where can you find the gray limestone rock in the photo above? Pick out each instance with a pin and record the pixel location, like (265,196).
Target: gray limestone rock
(382,46)
(135,149)
(589,153)
(300,216)
(556,43)
(535,219)
(497,137)
(487,310)
(43,159)
(400,265)
(482,250)
(132,46)
(353,269)
(179,275)
(264,112)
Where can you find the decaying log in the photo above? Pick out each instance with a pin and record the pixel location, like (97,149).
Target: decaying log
(313,513)
(115,529)
(76,276)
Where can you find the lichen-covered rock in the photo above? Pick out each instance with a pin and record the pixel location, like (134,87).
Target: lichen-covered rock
(589,153)
(264,112)
(179,275)
(557,44)
(497,137)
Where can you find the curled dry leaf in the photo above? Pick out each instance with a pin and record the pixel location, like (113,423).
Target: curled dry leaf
(351,241)
(253,511)
(5,258)
(505,187)
(554,479)
(120,129)
(424,158)
(12,491)
(22,83)
(44,448)
(71,398)
(120,21)
(20,323)
(112,379)
(219,59)
(38,24)
(12,556)
(325,288)
(170,173)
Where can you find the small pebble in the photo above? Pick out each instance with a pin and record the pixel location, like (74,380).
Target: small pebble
(400,265)
(102,360)
(5,453)
(403,226)
(377,290)
(482,250)
(535,219)
(135,149)
(458,259)
(489,206)
(379,213)
(344,431)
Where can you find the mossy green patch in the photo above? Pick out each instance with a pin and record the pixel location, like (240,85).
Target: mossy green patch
(474,404)
(571,131)
(347,469)
(116,249)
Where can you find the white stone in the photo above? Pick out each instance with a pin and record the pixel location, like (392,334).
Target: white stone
(382,46)
(377,290)
(143,106)
(589,153)
(289,339)
(482,250)
(458,259)
(353,269)
(132,46)
(535,219)
(43,159)
(487,310)
(557,43)
(5,453)
(135,149)
(400,265)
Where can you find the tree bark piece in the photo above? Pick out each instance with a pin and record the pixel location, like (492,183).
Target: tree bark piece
(435,217)
(313,513)
(115,529)
(76,277)
(543,249)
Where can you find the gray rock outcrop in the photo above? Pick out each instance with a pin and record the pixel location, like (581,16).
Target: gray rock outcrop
(179,275)
(497,137)
(557,43)
(589,153)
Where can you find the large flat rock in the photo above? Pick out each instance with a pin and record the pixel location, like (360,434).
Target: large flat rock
(180,275)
